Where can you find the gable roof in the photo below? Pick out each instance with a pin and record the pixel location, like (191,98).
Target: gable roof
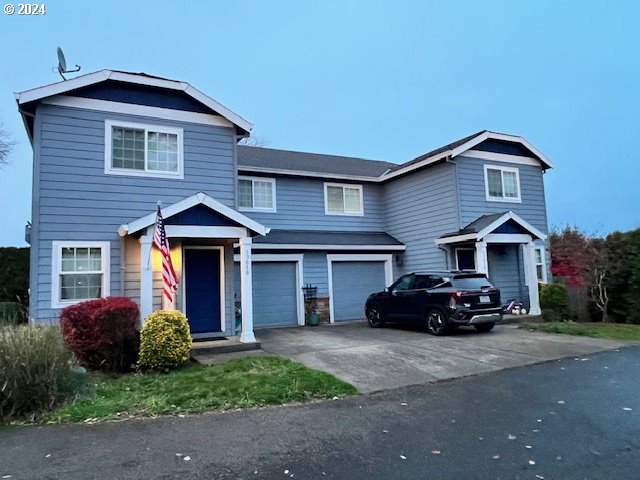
(273,160)
(189,202)
(81,81)
(486,224)
(268,160)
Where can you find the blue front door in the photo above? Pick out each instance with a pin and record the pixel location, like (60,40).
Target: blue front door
(202,289)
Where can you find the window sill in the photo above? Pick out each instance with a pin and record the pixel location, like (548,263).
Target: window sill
(504,200)
(140,173)
(262,210)
(361,214)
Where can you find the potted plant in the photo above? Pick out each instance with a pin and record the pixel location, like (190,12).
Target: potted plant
(311,305)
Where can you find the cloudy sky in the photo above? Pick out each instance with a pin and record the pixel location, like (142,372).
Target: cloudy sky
(380,80)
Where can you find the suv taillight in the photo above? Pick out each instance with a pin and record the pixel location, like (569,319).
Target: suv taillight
(455,298)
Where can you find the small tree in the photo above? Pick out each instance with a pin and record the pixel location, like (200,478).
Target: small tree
(6,145)
(598,276)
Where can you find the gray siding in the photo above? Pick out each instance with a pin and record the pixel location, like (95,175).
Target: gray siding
(300,206)
(75,200)
(419,208)
(473,200)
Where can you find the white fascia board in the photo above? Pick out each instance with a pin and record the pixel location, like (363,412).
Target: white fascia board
(415,166)
(192,201)
(504,137)
(296,246)
(61,87)
(457,238)
(102,75)
(302,173)
(142,110)
(500,157)
(510,215)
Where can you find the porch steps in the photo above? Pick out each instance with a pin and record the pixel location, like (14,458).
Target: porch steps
(223,345)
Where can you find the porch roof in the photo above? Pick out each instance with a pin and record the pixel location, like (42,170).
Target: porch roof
(190,202)
(328,240)
(487,224)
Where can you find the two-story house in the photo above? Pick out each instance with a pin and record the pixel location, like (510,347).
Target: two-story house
(254,224)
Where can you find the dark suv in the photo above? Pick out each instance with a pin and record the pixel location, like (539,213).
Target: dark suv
(440,301)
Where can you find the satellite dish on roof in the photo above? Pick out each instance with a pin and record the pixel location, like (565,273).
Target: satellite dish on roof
(62,65)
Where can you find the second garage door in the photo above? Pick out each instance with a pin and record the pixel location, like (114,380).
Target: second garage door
(352,283)
(274,294)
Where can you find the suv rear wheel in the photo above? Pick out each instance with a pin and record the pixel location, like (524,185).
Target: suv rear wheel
(437,323)
(375,317)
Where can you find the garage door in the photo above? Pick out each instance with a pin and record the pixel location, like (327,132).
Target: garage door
(274,293)
(353,282)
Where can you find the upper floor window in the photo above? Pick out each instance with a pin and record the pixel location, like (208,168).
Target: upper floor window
(143,150)
(502,183)
(257,193)
(80,271)
(343,199)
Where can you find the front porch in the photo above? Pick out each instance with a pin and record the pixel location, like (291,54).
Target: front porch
(201,233)
(502,246)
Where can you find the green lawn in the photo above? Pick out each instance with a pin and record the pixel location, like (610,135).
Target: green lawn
(247,382)
(617,331)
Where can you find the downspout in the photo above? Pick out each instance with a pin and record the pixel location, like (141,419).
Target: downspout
(447,254)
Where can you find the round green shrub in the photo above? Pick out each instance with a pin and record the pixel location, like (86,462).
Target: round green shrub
(554,301)
(165,341)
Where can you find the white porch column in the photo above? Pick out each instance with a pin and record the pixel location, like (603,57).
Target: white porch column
(529,250)
(146,276)
(246,291)
(482,263)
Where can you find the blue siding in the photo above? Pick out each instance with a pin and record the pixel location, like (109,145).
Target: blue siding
(421,207)
(300,206)
(75,200)
(473,201)
(315,272)
(353,282)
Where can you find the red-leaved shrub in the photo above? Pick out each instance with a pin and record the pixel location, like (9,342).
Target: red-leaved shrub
(103,332)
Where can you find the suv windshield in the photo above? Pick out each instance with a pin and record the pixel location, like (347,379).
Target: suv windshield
(471,283)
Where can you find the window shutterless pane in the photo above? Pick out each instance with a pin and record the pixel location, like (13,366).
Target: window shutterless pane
(538,255)
(335,199)
(539,272)
(510,184)
(262,194)
(80,286)
(494,178)
(245,194)
(127,148)
(352,200)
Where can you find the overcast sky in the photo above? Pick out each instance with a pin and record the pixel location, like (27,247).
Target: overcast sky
(381,80)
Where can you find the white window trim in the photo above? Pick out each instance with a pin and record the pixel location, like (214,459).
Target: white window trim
(343,185)
(543,257)
(259,179)
(108,148)
(56,264)
(475,260)
(502,169)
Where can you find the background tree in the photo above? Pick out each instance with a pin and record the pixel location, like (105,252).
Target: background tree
(254,141)
(6,144)
(571,255)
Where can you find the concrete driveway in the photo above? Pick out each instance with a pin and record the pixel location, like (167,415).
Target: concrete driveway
(392,357)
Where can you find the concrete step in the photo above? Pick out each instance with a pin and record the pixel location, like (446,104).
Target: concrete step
(223,345)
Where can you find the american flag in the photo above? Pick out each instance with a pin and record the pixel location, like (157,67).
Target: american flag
(169,277)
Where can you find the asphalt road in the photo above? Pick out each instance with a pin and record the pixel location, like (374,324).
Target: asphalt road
(577,418)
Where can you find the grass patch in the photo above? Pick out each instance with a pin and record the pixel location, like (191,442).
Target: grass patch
(246,382)
(616,331)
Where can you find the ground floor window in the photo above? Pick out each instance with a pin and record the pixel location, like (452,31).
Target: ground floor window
(465,259)
(541,264)
(80,271)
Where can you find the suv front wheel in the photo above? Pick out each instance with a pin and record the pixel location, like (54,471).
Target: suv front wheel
(437,323)
(375,317)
